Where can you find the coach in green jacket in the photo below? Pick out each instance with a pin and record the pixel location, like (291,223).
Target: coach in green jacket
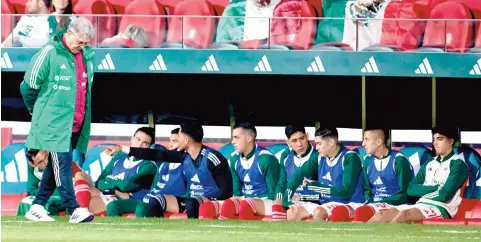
(57,92)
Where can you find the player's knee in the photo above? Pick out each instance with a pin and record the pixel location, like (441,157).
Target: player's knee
(81,176)
(319,214)
(229,209)
(291,215)
(192,207)
(209,210)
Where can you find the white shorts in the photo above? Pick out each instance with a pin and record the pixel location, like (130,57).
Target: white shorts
(380,206)
(108,198)
(428,211)
(309,206)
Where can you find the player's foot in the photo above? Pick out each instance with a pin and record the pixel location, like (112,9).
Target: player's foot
(38,213)
(81,215)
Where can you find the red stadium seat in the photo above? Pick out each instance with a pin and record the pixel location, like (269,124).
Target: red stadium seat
(19,6)
(475,210)
(296,33)
(402,27)
(118,42)
(119,5)
(128,215)
(453,36)
(105,26)
(7,21)
(169,5)
(175,215)
(195,32)
(219,6)
(153,25)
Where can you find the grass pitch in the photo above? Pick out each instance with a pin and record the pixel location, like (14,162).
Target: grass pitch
(127,229)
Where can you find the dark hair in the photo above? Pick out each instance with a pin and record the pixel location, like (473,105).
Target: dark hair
(449,131)
(292,129)
(384,131)
(327,132)
(31,153)
(247,126)
(148,131)
(175,131)
(194,130)
(62,24)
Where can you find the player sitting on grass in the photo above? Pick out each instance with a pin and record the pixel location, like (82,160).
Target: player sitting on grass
(298,153)
(255,173)
(206,170)
(339,183)
(387,174)
(438,184)
(123,184)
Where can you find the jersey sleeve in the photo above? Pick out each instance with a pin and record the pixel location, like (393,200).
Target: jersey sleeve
(103,182)
(143,179)
(36,74)
(417,188)
(403,171)
(236,182)
(219,168)
(457,176)
(308,169)
(282,183)
(269,166)
(350,177)
(366,185)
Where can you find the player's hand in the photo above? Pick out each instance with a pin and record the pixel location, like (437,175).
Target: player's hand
(306,180)
(111,149)
(122,195)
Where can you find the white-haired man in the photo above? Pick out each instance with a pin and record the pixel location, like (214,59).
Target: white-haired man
(56,90)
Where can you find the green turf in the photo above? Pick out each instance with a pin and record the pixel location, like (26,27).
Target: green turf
(125,229)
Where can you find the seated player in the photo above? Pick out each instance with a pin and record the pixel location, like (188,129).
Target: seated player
(298,153)
(124,182)
(168,184)
(339,182)
(438,184)
(205,169)
(255,173)
(387,174)
(37,164)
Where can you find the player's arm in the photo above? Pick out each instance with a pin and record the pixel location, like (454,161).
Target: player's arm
(171,156)
(157,176)
(366,185)
(269,166)
(282,183)
(35,76)
(219,168)
(350,177)
(308,169)
(106,184)
(457,176)
(32,182)
(403,171)
(417,188)
(142,179)
(236,181)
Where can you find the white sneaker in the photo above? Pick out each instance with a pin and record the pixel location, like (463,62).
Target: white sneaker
(38,213)
(81,215)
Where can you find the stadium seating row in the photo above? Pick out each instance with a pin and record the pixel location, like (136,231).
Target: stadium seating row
(421,25)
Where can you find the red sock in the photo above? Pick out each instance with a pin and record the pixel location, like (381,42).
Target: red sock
(230,209)
(209,210)
(247,210)
(82,193)
(363,213)
(278,213)
(340,214)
